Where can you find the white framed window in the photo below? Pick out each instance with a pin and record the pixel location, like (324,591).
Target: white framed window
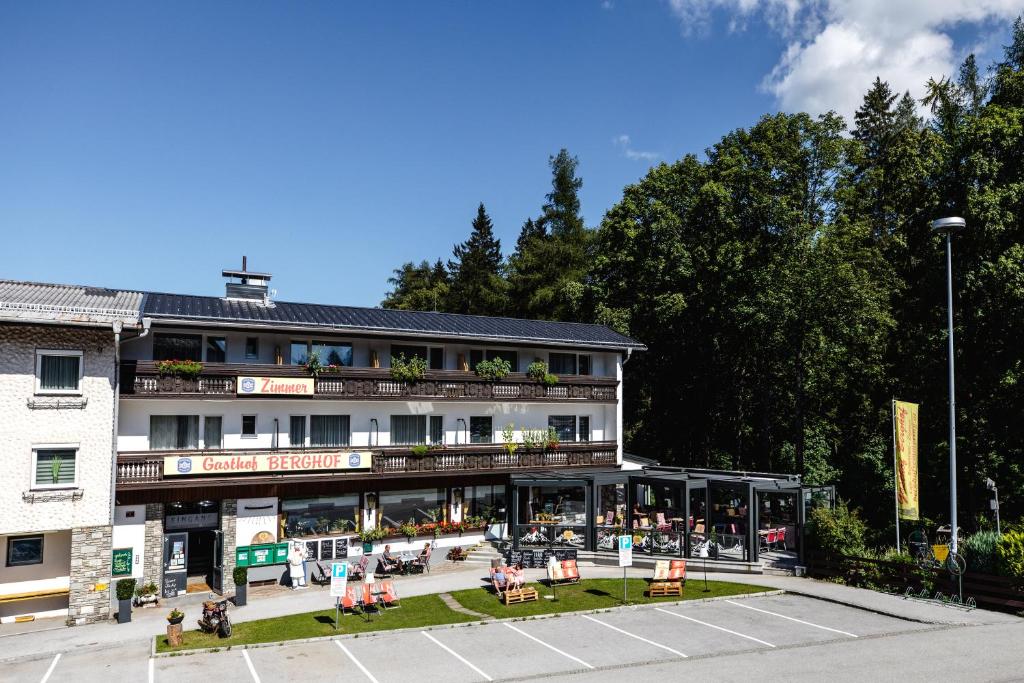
(58,371)
(213,432)
(55,466)
(248,426)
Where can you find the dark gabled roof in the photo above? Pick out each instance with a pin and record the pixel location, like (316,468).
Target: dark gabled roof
(212,310)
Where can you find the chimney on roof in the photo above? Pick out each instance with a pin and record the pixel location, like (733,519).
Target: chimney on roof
(247,285)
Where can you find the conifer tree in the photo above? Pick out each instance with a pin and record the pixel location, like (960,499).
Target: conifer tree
(477,286)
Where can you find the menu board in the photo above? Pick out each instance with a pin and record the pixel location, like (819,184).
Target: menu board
(538,558)
(173,584)
(121,563)
(341,548)
(327,549)
(312,550)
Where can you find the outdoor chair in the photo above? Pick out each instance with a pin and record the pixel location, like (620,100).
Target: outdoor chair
(564,571)
(663,524)
(369,599)
(609,519)
(780,538)
(669,578)
(645,522)
(350,599)
(422,563)
(387,594)
(321,577)
(359,569)
(768,539)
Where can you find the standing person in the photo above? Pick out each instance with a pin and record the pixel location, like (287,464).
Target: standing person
(296,566)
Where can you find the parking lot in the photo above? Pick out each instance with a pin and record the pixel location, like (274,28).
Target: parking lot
(581,643)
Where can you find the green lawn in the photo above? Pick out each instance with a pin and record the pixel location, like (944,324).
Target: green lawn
(592,594)
(425,610)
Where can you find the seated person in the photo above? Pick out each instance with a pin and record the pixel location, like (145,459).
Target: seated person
(424,557)
(388,561)
(515,576)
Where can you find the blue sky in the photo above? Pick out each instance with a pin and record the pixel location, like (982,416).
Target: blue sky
(151,145)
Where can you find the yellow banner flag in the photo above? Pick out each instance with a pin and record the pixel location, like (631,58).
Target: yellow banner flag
(905,434)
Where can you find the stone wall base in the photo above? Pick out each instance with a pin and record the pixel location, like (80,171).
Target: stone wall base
(89,600)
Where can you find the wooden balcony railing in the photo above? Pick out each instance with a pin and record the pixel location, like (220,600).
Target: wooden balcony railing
(141,468)
(139,379)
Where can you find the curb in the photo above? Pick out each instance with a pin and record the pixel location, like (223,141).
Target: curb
(444,627)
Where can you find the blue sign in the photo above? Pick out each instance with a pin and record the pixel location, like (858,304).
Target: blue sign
(248,385)
(339,570)
(355,460)
(184,465)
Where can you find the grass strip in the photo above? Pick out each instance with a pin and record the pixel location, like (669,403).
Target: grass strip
(591,594)
(419,611)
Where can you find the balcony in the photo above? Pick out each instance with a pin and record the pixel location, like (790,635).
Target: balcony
(145,469)
(139,379)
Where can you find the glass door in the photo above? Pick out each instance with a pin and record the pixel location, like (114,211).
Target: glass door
(217,578)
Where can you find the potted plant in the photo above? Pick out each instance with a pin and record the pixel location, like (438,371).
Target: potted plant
(713,544)
(408,530)
(240,575)
(409,370)
(419,450)
(313,365)
(176,616)
(508,437)
(538,372)
(493,370)
(368,536)
(186,369)
(146,594)
(125,589)
(551,440)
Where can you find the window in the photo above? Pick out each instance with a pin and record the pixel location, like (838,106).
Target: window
(408,430)
(58,372)
(320,515)
(333,353)
(213,432)
(329,430)
(584,428)
(300,353)
(586,364)
(248,426)
(433,355)
(22,550)
(216,349)
(297,431)
(436,429)
(178,347)
(564,426)
(480,430)
(173,432)
(54,468)
(422,506)
(562,363)
(477,355)
(252,348)
(485,501)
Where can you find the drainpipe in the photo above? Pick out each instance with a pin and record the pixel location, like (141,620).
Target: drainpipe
(118,326)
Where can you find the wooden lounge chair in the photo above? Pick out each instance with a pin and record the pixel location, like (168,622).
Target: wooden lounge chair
(320,577)
(369,599)
(669,577)
(387,594)
(359,569)
(565,571)
(517,595)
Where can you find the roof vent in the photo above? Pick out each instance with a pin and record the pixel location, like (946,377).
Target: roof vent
(247,285)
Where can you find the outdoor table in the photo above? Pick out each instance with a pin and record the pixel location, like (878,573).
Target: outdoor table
(736,539)
(406,561)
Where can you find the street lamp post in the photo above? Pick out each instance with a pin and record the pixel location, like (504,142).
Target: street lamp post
(947,226)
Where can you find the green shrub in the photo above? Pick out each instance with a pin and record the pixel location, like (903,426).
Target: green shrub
(420,450)
(125,589)
(1010,555)
(189,369)
(493,370)
(408,369)
(240,576)
(536,370)
(980,551)
(836,531)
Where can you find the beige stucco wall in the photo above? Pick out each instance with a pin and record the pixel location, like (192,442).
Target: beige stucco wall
(22,426)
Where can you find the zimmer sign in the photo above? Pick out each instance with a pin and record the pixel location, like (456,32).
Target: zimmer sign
(281,463)
(288,386)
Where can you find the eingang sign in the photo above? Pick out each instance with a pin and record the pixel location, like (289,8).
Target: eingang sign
(245,463)
(289,386)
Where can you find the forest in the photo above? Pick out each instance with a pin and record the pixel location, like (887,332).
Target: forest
(788,287)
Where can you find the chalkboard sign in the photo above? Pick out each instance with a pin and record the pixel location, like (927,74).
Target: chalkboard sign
(312,549)
(121,564)
(327,549)
(340,548)
(538,558)
(172,584)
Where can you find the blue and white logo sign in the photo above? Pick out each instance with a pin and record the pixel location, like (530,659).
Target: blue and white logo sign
(355,459)
(248,385)
(184,465)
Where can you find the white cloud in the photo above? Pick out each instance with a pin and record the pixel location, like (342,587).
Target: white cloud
(624,143)
(836,48)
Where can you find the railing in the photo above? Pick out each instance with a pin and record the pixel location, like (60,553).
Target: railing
(147,467)
(140,379)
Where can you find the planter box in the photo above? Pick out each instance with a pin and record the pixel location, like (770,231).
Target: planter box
(241,593)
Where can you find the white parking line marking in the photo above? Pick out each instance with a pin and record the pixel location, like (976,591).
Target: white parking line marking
(151,660)
(799,621)
(704,623)
(53,665)
(633,635)
(356,661)
(252,669)
(457,656)
(548,646)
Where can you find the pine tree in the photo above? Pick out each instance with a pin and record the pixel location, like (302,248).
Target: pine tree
(477,285)
(422,287)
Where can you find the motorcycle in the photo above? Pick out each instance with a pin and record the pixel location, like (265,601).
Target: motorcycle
(215,618)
